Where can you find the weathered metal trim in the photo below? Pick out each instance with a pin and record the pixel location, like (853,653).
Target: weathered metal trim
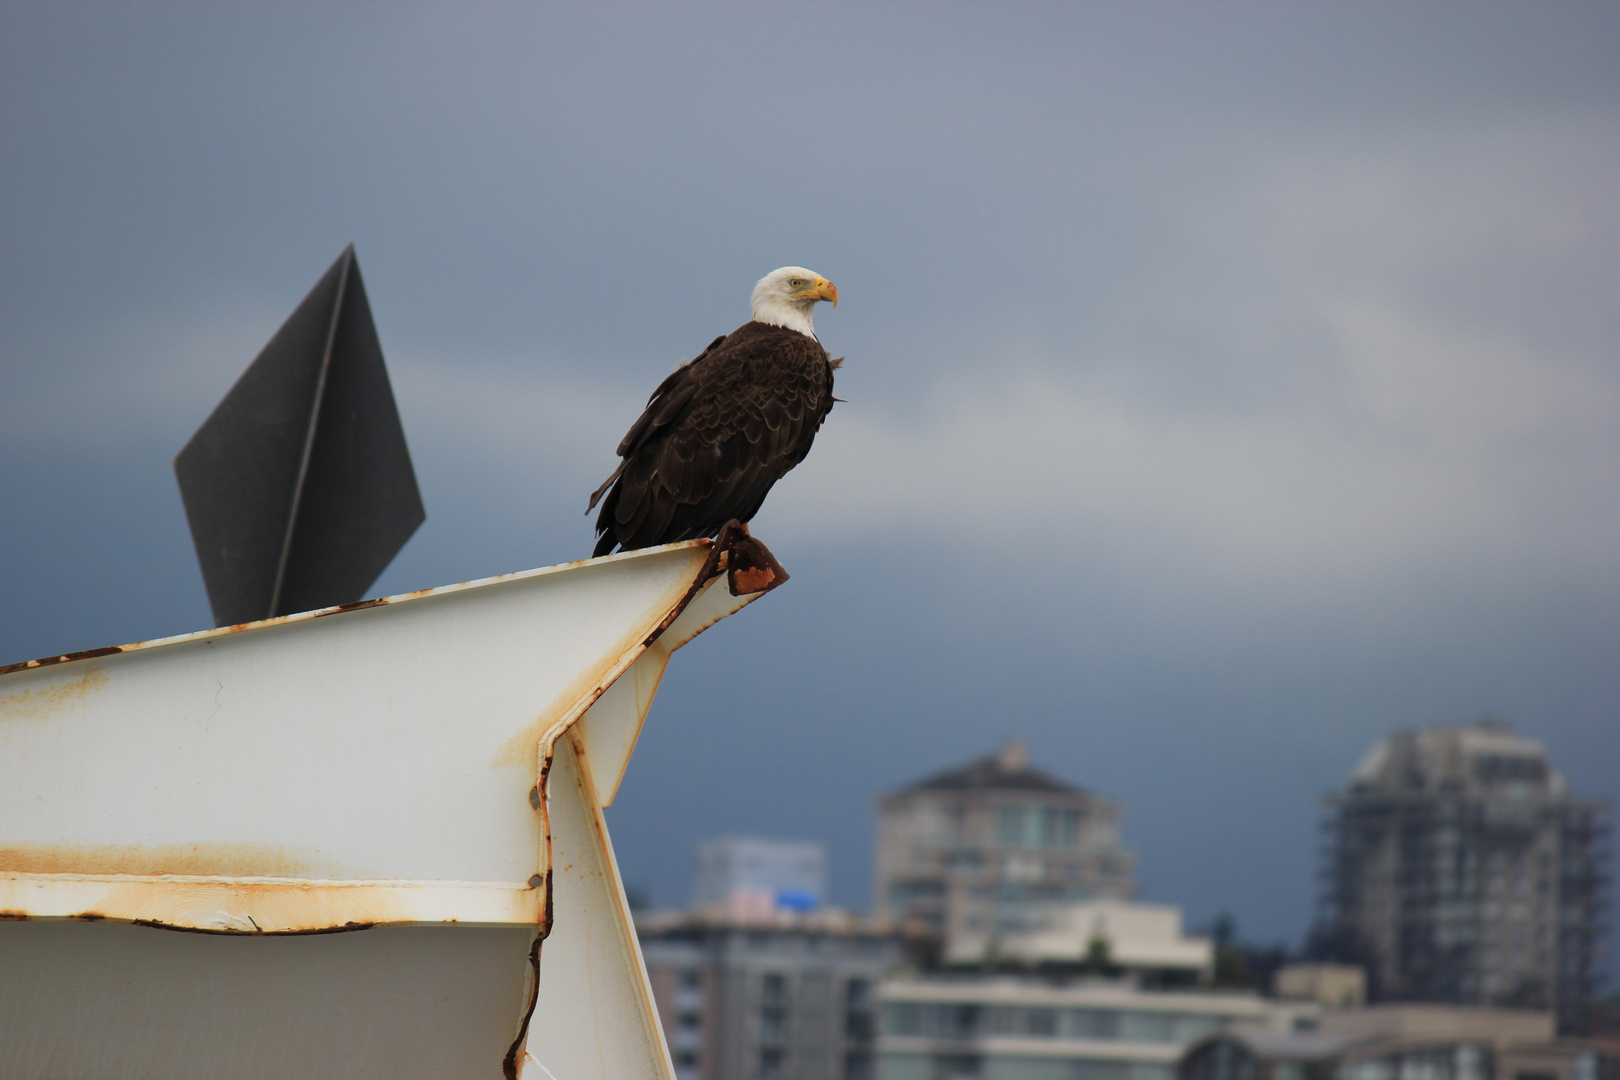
(657,652)
(247,905)
(340,609)
(627,926)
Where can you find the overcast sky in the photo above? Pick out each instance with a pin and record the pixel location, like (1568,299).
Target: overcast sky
(1229,385)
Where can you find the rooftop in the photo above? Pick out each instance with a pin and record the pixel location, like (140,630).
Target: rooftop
(1007,770)
(1480,758)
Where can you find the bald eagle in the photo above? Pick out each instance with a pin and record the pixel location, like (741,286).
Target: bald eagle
(726,426)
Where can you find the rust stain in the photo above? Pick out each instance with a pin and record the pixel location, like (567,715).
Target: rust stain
(65,658)
(267,908)
(748,565)
(192,860)
(520,748)
(752,580)
(356,605)
(717,559)
(348,927)
(542,882)
(509,1068)
(583,690)
(32,704)
(753,567)
(262,908)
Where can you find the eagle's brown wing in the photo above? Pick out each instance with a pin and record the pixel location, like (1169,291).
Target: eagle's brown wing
(715,436)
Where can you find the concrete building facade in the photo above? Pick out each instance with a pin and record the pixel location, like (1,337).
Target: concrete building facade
(1143,939)
(1404,1042)
(984,848)
(1458,868)
(1027,1028)
(789,997)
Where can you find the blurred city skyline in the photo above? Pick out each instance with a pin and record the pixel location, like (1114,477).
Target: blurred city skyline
(1227,386)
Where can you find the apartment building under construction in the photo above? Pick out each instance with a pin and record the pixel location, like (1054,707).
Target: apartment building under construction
(1458,868)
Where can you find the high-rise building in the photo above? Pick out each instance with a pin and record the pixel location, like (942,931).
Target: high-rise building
(791,996)
(1458,868)
(985,848)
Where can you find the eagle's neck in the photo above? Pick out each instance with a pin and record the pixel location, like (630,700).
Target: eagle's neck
(780,311)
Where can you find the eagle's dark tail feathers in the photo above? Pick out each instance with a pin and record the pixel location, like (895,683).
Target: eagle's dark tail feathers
(597,494)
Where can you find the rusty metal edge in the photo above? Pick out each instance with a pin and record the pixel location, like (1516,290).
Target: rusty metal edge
(539,797)
(733,537)
(495,904)
(341,609)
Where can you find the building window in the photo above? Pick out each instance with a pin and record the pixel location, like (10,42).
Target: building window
(1010,826)
(1150,1027)
(957,1066)
(1188,1028)
(1148,1070)
(1019,1020)
(1091,1024)
(773,988)
(859,1024)
(1101,1070)
(1059,827)
(903,1018)
(955,1021)
(770,1062)
(1224,1059)
(858,1066)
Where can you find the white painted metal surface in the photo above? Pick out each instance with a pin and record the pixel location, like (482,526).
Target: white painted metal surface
(377,768)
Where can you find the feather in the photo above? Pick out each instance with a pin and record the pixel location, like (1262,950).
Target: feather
(597,494)
(715,436)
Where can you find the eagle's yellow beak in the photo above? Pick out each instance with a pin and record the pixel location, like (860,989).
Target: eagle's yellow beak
(822,289)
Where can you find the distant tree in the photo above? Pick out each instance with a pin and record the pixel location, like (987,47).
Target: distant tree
(1099,959)
(1242,966)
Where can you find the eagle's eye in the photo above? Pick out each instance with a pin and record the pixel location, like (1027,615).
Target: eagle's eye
(797,283)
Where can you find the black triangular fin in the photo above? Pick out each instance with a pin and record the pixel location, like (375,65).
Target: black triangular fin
(299,487)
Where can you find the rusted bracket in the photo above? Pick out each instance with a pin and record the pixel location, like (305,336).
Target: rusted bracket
(752,568)
(748,565)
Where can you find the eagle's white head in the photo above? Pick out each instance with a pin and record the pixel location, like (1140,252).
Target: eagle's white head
(786,297)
